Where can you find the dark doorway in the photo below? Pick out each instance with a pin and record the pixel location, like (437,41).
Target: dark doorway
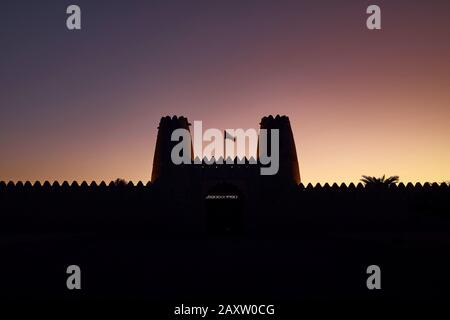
(224,210)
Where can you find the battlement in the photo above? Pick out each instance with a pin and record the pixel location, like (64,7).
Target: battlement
(342,187)
(174,122)
(277,122)
(227,161)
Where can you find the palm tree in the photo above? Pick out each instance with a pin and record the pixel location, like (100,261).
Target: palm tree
(120,182)
(380,182)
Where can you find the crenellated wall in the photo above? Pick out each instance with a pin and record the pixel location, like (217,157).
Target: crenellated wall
(88,207)
(159,244)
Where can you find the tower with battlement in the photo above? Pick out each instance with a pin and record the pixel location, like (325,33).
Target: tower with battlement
(162,163)
(289,169)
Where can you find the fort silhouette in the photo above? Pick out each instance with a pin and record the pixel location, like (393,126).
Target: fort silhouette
(212,233)
(164,169)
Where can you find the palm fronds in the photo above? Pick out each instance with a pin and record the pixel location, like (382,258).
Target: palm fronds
(383,181)
(120,182)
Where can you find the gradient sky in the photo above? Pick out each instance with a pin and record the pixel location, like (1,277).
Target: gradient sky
(85,105)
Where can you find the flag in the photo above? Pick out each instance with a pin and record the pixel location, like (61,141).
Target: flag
(229,136)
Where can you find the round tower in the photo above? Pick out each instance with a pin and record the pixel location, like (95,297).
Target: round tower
(162,162)
(288,167)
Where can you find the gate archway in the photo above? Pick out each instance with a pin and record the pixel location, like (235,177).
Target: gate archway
(224,209)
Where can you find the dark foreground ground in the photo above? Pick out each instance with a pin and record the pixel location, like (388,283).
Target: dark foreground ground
(306,249)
